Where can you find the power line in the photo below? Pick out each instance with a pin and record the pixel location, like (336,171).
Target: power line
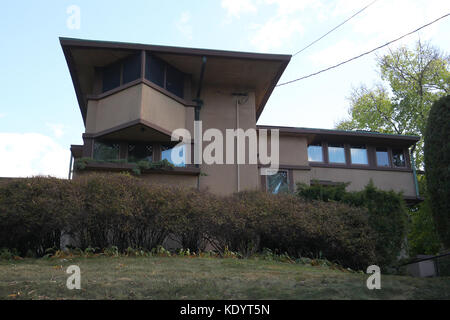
(363,54)
(309,45)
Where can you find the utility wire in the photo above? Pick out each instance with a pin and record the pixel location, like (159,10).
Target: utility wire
(309,45)
(363,54)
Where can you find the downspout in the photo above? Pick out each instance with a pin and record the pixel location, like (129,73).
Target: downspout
(198,106)
(413,164)
(70,165)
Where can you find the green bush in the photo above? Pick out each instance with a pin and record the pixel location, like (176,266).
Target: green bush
(33,213)
(386,210)
(120,211)
(437,165)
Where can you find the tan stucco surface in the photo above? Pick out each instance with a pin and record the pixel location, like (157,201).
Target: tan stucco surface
(359,178)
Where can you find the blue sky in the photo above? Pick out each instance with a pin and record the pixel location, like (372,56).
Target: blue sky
(39,115)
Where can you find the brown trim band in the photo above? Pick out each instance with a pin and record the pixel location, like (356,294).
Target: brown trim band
(127,125)
(355,167)
(105,166)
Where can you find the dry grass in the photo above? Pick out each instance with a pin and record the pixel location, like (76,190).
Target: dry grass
(201,278)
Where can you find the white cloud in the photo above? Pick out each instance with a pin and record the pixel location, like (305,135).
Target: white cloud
(235,8)
(28,154)
(184,26)
(2,115)
(57,129)
(275,32)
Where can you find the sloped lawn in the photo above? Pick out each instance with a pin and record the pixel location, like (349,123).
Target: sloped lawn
(202,278)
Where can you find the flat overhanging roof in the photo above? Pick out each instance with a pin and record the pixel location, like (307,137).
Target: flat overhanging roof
(356,136)
(232,69)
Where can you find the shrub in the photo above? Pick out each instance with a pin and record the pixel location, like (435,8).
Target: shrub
(437,165)
(386,212)
(33,212)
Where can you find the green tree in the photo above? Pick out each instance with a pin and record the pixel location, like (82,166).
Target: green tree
(416,78)
(437,166)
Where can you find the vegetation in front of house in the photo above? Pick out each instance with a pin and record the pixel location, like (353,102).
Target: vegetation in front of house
(120,210)
(201,277)
(138,167)
(387,213)
(437,166)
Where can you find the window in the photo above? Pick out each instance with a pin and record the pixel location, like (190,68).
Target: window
(164,75)
(131,68)
(174,81)
(111,77)
(315,152)
(175,155)
(382,157)
(398,158)
(106,151)
(278,182)
(336,153)
(140,152)
(358,155)
(155,70)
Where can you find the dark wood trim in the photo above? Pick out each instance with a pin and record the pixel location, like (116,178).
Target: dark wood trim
(335,166)
(143,64)
(76,150)
(343,133)
(287,167)
(123,150)
(127,125)
(73,42)
(263,182)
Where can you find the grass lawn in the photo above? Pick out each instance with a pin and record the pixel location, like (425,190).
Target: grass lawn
(202,278)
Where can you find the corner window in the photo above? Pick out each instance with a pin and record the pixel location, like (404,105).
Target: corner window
(175,155)
(358,155)
(140,152)
(106,151)
(382,157)
(315,153)
(336,153)
(131,68)
(164,75)
(278,182)
(111,77)
(398,158)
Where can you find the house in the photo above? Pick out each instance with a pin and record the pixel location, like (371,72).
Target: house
(134,97)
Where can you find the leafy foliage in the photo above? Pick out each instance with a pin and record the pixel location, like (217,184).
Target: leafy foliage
(416,79)
(437,166)
(386,209)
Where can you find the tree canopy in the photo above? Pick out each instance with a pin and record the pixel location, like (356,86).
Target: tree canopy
(411,80)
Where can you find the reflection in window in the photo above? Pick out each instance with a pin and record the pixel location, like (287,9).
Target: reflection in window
(358,155)
(382,157)
(140,152)
(106,151)
(398,158)
(315,152)
(336,153)
(175,155)
(278,182)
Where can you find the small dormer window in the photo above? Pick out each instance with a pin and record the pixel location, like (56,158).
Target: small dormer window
(121,72)
(315,153)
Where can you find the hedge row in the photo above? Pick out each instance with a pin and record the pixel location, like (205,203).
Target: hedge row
(120,210)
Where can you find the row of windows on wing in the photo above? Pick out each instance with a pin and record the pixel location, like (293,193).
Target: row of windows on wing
(156,70)
(108,151)
(358,155)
